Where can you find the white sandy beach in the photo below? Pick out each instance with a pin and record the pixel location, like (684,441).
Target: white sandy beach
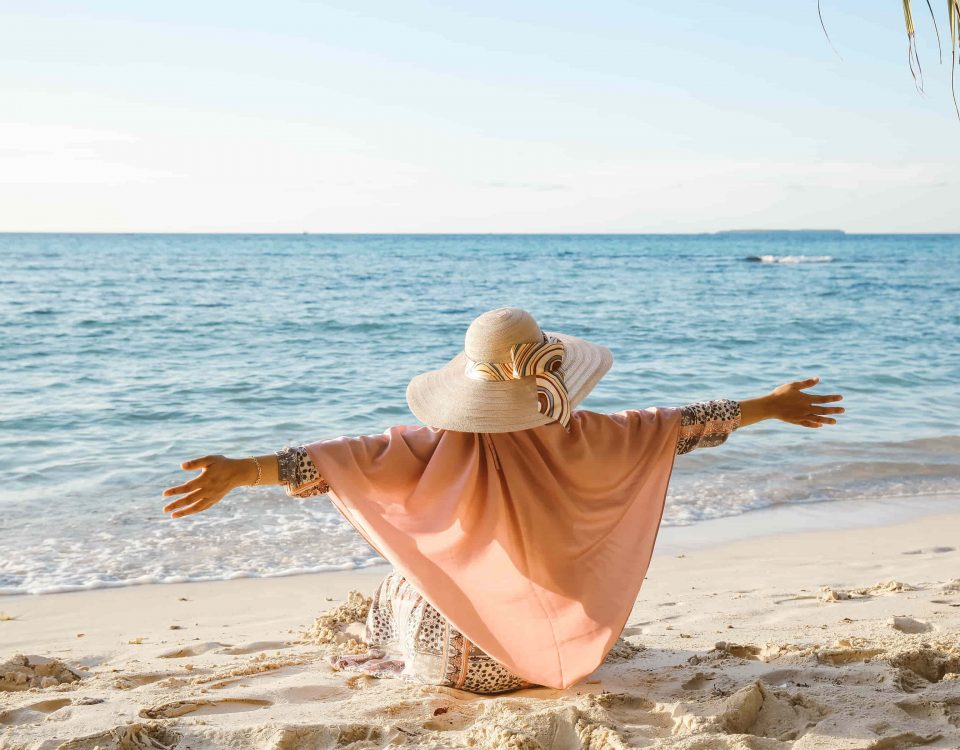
(831,638)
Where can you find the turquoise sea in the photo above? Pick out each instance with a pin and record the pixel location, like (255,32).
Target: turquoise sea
(123,355)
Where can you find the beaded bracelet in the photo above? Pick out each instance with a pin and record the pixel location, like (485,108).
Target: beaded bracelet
(259,471)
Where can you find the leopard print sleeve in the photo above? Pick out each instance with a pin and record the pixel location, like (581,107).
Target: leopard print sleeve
(298,474)
(707,423)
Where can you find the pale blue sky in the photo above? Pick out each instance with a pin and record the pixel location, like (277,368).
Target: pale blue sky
(412,116)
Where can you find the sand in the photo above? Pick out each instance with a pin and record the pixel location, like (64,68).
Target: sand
(833,638)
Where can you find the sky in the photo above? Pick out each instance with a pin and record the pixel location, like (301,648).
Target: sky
(413,116)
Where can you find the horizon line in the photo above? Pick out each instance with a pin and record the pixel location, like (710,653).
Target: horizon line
(721,232)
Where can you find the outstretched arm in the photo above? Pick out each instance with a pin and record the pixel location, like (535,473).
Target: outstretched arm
(789,403)
(291,467)
(704,424)
(219,475)
(709,423)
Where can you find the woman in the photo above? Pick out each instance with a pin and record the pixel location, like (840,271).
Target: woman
(520,529)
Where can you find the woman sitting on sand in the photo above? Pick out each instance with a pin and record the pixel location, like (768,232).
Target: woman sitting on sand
(520,530)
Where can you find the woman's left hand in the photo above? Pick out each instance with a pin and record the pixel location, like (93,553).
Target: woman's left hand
(218,476)
(790,404)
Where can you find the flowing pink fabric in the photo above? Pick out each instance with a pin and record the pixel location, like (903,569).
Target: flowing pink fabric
(534,544)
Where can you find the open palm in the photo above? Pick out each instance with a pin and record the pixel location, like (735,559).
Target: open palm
(791,404)
(217,477)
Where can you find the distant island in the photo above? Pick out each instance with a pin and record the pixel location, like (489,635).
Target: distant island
(829,232)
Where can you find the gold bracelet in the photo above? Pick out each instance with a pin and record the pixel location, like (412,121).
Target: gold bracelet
(259,471)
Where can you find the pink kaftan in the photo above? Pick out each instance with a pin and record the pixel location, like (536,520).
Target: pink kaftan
(534,544)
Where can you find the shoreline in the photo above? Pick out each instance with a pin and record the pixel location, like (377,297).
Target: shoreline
(837,637)
(858,513)
(711,532)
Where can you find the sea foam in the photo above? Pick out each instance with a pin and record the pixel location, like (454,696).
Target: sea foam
(790,258)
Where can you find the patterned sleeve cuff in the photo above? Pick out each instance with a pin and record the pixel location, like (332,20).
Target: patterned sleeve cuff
(298,474)
(707,423)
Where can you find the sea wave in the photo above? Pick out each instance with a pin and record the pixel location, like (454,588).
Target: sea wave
(91,583)
(257,535)
(789,258)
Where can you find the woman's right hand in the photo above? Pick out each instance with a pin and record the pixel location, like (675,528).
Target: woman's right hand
(218,476)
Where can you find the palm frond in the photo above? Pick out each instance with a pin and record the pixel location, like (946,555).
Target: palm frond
(913,59)
(933,17)
(953,16)
(824,27)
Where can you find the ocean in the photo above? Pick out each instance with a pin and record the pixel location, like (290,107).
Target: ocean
(124,355)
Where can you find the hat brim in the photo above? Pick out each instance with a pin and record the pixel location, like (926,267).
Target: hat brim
(446,398)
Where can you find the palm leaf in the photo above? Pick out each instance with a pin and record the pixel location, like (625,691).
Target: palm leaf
(824,27)
(913,59)
(933,17)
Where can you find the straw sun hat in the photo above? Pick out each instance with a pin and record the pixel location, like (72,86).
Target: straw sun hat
(511,375)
